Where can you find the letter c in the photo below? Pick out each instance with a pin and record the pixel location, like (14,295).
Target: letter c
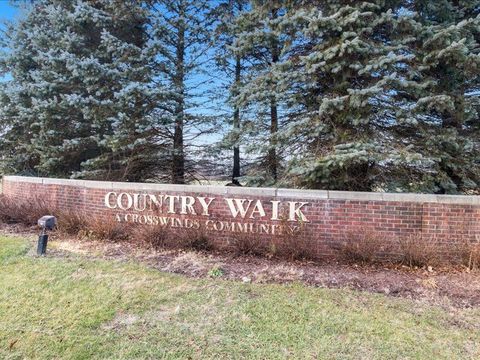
(107,200)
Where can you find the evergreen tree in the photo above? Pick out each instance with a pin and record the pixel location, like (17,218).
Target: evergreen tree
(181,35)
(377,95)
(341,64)
(80,100)
(352,95)
(16,116)
(260,44)
(231,64)
(447,51)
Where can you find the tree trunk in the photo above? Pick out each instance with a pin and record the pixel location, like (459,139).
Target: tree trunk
(236,127)
(272,152)
(455,119)
(178,156)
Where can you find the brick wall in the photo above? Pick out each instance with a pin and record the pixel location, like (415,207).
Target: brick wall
(330,215)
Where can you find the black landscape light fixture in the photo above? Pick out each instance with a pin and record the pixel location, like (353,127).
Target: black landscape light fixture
(46,222)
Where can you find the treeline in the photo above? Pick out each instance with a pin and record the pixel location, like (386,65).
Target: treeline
(351,95)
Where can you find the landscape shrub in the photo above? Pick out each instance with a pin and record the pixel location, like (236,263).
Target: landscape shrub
(247,244)
(161,237)
(151,236)
(106,229)
(195,239)
(468,253)
(363,246)
(23,211)
(292,244)
(419,251)
(71,222)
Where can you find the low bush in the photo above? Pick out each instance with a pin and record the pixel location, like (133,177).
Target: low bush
(468,253)
(365,246)
(247,244)
(419,251)
(101,228)
(23,211)
(151,236)
(289,243)
(160,237)
(71,222)
(292,244)
(195,239)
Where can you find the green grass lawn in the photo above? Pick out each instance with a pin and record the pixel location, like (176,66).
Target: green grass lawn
(78,308)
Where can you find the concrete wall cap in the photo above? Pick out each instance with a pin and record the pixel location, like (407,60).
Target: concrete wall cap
(302,194)
(353,195)
(12,178)
(256,192)
(65,182)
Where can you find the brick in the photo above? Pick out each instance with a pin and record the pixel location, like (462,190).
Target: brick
(331,214)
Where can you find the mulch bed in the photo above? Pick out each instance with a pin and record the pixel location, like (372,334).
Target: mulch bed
(447,287)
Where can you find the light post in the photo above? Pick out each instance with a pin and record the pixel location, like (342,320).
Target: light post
(47,222)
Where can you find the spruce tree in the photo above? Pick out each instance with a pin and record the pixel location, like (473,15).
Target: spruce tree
(80,99)
(260,44)
(341,64)
(231,64)
(447,52)
(181,32)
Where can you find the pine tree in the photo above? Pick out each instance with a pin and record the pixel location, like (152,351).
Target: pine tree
(181,34)
(261,45)
(231,64)
(340,66)
(447,51)
(83,72)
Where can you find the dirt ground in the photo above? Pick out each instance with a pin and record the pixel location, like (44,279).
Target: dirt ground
(447,287)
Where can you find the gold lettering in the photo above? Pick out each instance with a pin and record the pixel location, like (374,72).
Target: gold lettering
(218,225)
(237,207)
(136,202)
(208,224)
(157,201)
(242,227)
(171,203)
(205,205)
(120,201)
(264,228)
(296,211)
(176,222)
(187,204)
(164,220)
(275,209)
(107,200)
(258,208)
